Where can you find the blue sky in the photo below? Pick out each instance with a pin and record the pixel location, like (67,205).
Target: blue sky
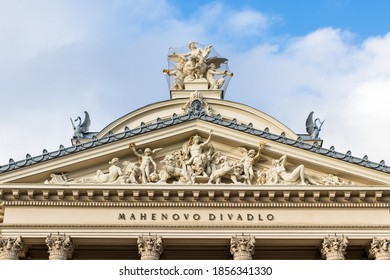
(61,57)
(299,17)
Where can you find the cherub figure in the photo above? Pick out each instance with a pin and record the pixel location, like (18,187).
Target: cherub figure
(146,158)
(249,160)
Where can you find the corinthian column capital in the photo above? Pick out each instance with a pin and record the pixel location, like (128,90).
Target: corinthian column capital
(150,247)
(60,247)
(10,248)
(333,247)
(242,247)
(380,249)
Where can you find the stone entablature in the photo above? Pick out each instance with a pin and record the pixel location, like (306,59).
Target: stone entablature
(287,196)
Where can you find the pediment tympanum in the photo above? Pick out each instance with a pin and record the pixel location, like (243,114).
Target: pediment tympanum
(207,154)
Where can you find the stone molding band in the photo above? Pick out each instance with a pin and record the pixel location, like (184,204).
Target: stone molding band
(237,195)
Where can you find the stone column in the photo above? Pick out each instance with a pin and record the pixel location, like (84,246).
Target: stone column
(10,248)
(242,247)
(380,249)
(150,247)
(333,247)
(60,247)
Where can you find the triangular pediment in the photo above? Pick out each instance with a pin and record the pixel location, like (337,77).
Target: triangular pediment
(92,165)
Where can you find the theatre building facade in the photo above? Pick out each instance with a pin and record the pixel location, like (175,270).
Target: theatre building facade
(195,177)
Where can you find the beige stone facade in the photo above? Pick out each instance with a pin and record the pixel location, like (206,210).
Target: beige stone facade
(195,177)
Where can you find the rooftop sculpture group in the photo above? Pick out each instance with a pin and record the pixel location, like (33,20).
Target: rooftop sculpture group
(197,65)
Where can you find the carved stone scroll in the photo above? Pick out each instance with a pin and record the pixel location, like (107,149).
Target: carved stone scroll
(10,248)
(333,247)
(380,249)
(60,247)
(242,247)
(150,247)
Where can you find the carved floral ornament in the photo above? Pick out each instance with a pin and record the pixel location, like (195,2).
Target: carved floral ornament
(198,162)
(60,247)
(150,247)
(10,248)
(242,247)
(333,247)
(380,249)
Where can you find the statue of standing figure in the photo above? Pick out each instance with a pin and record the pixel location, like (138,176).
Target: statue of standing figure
(146,158)
(249,160)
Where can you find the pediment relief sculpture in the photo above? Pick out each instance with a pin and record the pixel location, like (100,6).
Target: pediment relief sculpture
(197,162)
(277,174)
(146,159)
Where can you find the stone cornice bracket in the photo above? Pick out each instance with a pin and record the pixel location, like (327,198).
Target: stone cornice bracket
(150,247)
(10,248)
(242,247)
(60,247)
(333,247)
(380,249)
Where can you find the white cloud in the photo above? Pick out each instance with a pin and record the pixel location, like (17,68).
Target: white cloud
(344,82)
(247,23)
